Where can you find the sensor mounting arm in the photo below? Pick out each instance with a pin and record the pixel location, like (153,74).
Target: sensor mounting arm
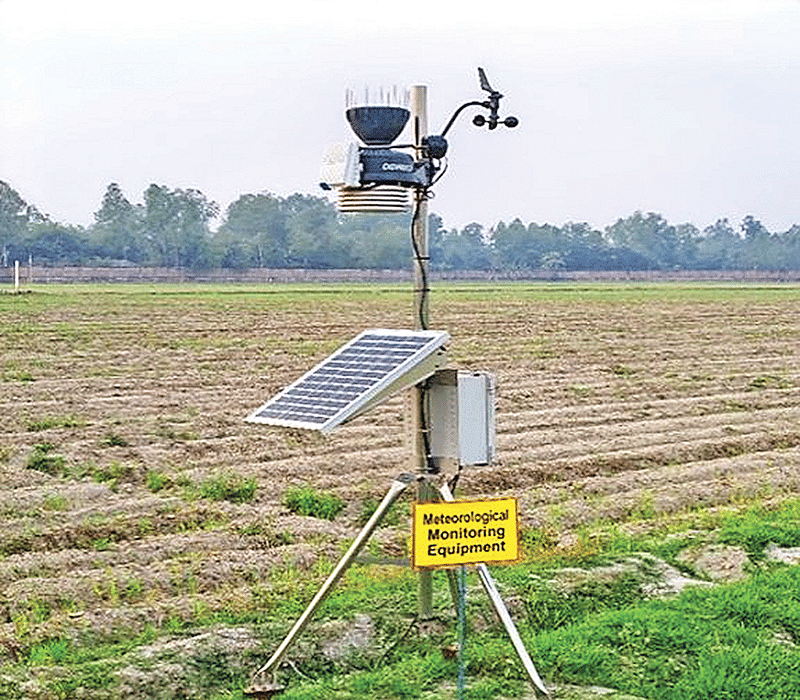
(474,103)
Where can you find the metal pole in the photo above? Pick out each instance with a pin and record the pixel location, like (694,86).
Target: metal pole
(426,492)
(419,229)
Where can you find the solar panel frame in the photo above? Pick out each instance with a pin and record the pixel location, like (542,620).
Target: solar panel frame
(358,376)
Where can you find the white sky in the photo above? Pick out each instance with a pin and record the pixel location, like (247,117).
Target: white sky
(690,109)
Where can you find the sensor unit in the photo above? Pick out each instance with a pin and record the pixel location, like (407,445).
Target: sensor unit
(361,171)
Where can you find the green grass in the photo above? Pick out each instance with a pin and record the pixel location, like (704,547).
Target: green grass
(725,642)
(729,641)
(229,487)
(758,526)
(398,514)
(317,504)
(49,422)
(44,459)
(112,439)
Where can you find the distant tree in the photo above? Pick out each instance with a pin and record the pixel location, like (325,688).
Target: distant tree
(762,250)
(753,229)
(552,261)
(719,247)
(58,244)
(118,227)
(790,242)
(550,245)
(175,224)
(466,250)
(584,248)
(515,246)
(16,215)
(688,237)
(651,237)
(172,228)
(255,232)
(313,236)
(436,234)
(377,241)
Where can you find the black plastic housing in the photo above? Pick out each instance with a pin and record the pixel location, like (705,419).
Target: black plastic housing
(385,166)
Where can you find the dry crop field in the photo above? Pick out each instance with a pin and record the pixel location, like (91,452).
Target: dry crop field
(132,493)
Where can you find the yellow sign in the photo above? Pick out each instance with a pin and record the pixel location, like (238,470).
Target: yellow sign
(465,532)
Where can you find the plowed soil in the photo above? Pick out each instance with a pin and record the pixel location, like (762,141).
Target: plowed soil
(615,402)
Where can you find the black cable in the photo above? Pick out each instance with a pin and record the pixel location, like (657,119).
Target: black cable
(454,481)
(430,467)
(420,260)
(420,196)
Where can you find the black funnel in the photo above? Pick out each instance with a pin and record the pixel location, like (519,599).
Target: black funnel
(377,126)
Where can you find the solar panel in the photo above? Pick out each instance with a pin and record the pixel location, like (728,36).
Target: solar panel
(361,374)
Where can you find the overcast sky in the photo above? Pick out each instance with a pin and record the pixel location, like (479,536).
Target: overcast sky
(689,109)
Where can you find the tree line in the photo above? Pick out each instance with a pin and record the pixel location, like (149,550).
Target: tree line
(173,228)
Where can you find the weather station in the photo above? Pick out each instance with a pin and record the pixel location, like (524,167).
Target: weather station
(451,412)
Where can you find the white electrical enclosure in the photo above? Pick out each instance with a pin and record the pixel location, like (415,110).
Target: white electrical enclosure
(363,373)
(476,426)
(462,417)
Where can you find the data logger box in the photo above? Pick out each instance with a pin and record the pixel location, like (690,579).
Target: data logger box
(461,417)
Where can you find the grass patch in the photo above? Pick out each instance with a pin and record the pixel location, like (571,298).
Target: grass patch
(44,459)
(758,526)
(399,513)
(317,504)
(768,382)
(229,487)
(112,439)
(112,474)
(51,422)
(704,645)
(56,502)
(621,370)
(266,534)
(157,480)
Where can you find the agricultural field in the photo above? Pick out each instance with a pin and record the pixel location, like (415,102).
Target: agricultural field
(154,545)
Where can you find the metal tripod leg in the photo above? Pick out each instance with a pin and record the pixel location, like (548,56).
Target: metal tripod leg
(502,612)
(398,486)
